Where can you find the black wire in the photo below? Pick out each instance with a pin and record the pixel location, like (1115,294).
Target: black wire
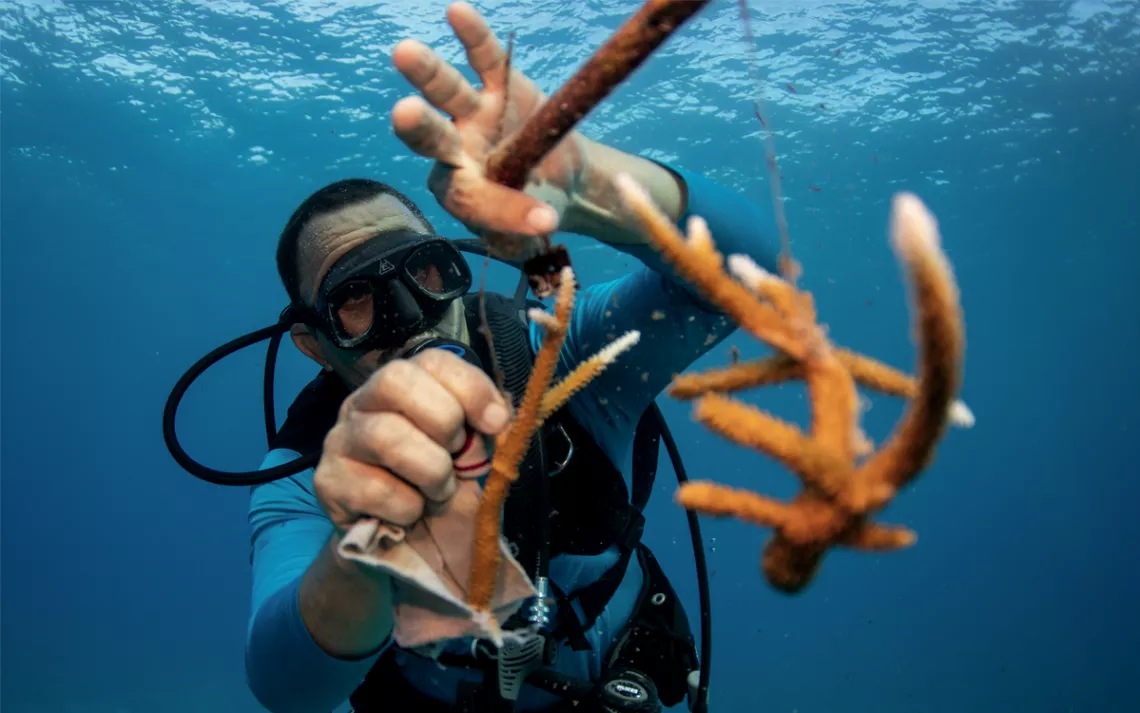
(702,698)
(267,388)
(170,412)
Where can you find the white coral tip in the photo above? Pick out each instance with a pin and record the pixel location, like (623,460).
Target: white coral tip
(745,269)
(961,415)
(913,226)
(699,235)
(543,318)
(614,349)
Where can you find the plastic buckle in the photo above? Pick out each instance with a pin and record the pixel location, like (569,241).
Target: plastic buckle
(559,467)
(521,655)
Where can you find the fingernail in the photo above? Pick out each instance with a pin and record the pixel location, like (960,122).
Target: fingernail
(542,219)
(495,416)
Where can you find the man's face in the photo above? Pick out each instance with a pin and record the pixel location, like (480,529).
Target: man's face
(322,242)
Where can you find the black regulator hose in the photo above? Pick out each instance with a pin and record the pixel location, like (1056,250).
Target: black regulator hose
(169,414)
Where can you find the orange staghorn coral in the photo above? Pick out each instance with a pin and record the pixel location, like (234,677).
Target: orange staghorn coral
(844,482)
(538,402)
(780,368)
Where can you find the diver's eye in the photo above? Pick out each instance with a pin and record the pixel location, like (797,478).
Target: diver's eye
(429,278)
(354,308)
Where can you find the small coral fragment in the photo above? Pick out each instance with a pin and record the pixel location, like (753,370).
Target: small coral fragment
(538,402)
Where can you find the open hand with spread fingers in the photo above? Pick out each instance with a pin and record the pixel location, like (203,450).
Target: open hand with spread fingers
(457,126)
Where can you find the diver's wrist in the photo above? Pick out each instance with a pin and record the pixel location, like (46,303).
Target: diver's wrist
(593,206)
(345,607)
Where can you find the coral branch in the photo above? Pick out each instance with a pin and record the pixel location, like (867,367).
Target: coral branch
(703,268)
(748,426)
(511,163)
(779,369)
(584,373)
(879,538)
(783,296)
(738,377)
(624,52)
(834,403)
(719,500)
(941,345)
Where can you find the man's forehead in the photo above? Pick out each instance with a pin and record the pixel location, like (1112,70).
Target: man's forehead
(378,214)
(325,238)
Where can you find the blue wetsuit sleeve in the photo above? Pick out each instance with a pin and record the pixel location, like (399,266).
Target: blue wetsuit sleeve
(677,326)
(286,670)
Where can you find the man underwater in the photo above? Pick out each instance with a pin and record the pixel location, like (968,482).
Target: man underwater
(371,283)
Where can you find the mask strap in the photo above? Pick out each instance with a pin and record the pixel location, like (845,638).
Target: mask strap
(475,247)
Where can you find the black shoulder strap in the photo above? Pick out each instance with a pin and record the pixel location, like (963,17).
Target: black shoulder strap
(311,415)
(507,322)
(594,597)
(646,447)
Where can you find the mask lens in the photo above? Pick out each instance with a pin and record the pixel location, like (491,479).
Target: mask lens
(354,306)
(439,270)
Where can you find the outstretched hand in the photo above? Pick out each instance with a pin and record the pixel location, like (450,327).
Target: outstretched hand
(478,121)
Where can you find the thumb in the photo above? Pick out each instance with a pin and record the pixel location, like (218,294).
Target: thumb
(494,208)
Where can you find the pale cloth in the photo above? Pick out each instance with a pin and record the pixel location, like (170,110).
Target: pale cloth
(431,563)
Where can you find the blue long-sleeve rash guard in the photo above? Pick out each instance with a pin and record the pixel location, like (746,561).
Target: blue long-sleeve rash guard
(289,673)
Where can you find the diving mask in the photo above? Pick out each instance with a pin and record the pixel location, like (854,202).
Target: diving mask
(387,290)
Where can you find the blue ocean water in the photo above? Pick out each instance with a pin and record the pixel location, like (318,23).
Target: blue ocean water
(151,152)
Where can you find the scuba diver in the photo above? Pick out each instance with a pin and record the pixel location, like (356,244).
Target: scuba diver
(384,306)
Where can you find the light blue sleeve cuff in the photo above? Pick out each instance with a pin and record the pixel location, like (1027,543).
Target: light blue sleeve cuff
(737,224)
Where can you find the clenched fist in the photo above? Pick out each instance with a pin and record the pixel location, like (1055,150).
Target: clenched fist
(391,451)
